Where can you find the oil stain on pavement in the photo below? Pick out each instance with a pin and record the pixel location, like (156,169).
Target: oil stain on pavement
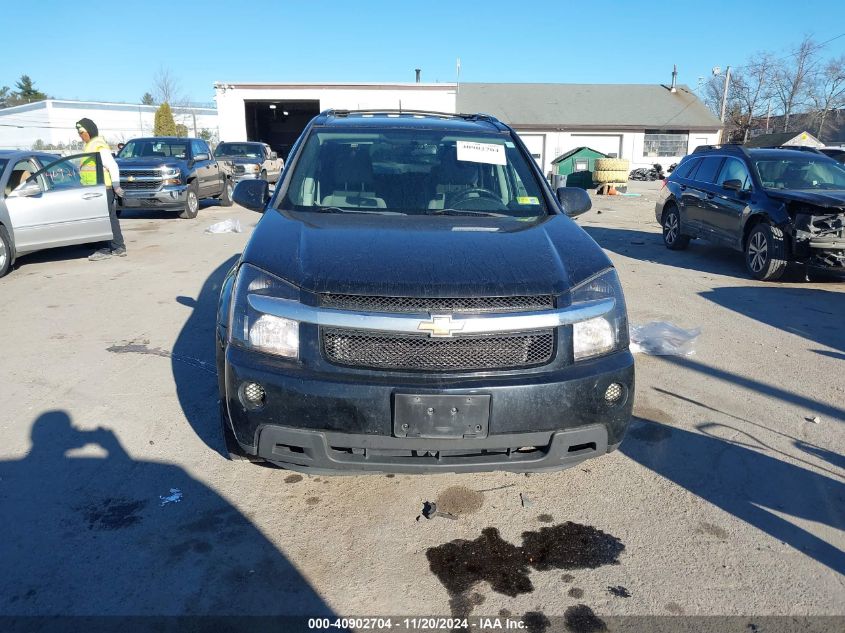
(582,619)
(458,500)
(113,514)
(461,564)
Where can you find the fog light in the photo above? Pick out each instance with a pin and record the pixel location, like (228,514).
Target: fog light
(614,393)
(252,395)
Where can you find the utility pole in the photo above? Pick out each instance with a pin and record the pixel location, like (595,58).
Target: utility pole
(194,116)
(768,115)
(725,93)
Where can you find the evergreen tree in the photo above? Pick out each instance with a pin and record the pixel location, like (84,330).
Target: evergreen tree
(164,123)
(27,92)
(147,99)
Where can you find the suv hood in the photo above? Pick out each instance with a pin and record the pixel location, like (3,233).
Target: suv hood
(149,161)
(424,256)
(831,198)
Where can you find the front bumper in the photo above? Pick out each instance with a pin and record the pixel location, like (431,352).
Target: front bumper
(236,178)
(316,422)
(166,198)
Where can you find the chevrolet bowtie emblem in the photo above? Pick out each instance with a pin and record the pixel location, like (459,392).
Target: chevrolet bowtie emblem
(440,325)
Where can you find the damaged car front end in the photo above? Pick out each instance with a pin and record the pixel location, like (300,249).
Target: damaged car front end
(816,229)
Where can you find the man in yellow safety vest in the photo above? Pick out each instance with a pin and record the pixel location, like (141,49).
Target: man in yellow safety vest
(89,134)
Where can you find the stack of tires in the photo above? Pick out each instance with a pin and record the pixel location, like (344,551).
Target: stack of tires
(610,170)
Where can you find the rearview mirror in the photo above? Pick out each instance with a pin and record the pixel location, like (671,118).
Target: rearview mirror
(252,194)
(733,185)
(26,190)
(202,156)
(574,200)
(273,156)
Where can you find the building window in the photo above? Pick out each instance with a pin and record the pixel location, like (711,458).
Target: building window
(668,143)
(582,164)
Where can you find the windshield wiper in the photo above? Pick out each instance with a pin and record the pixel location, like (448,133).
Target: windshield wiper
(340,210)
(467,212)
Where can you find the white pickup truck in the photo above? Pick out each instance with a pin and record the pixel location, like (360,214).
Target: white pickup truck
(248,160)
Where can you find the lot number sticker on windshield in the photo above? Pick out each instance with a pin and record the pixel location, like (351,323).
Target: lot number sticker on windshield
(491,153)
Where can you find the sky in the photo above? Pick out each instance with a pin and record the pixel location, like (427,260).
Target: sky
(111,51)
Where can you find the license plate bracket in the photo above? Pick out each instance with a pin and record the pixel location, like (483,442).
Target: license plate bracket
(441,416)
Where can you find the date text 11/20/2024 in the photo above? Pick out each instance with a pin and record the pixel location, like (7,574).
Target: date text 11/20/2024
(417,624)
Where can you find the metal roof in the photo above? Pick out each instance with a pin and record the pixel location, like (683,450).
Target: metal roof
(588,106)
(781,138)
(566,155)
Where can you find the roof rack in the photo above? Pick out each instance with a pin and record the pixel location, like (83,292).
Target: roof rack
(340,113)
(797,148)
(725,147)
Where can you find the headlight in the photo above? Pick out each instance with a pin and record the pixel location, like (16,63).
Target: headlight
(252,169)
(604,334)
(171,175)
(255,330)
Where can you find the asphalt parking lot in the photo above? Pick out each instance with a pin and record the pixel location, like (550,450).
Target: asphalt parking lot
(726,498)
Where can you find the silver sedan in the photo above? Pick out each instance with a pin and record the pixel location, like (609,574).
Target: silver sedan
(44,203)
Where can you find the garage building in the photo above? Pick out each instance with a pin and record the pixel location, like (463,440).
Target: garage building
(644,123)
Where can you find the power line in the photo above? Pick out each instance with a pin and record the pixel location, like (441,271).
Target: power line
(814,48)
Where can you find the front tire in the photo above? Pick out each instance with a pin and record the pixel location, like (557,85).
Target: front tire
(5,251)
(192,203)
(765,253)
(226,196)
(673,239)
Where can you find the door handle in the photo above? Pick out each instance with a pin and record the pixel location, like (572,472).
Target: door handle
(710,196)
(683,187)
(91,196)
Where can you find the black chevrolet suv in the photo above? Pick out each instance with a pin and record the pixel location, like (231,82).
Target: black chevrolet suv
(415,298)
(775,205)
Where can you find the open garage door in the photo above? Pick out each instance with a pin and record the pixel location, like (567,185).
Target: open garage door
(278,123)
(604,143)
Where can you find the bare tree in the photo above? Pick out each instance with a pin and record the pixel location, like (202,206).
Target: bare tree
(166,88)
(750,91)
(791,79)
(828,90)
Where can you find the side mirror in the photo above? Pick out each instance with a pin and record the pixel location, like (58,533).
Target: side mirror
(252,194)
(574,200)
(26,190)
(202,156)
(733,185)
(274,156)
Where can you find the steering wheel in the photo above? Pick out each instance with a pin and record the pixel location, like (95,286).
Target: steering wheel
(477,198)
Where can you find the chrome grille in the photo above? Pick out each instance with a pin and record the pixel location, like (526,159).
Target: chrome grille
(445,305)
(358,348)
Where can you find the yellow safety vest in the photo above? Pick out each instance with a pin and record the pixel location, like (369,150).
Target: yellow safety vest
(88,166)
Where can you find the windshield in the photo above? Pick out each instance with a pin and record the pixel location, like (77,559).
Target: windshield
(250,150)
(146,148)
(801,173)
(413,172)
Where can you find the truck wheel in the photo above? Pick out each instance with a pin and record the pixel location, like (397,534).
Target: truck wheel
(226,197)
(5,251)
(192,203)
(765,253)
(672,236)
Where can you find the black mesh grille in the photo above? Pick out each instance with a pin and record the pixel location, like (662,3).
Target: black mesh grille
(399,351)
(140,184)
(445,305)
(140,173)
